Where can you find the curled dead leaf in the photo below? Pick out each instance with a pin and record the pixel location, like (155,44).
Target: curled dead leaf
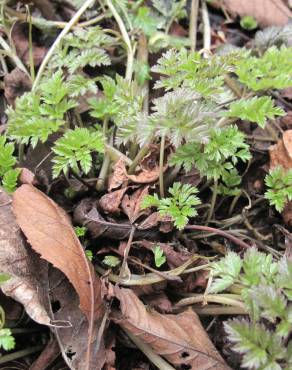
(110,203)
(145,177)
(266,12)
(131,204)
(180,339)
(119,176)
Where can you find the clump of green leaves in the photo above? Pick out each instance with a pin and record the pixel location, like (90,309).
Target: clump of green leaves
(279,183)
(266,290)
(248,23)
(111,261)
(180,206)
(8,174)
(217,159)
(159,257)
(80,231)
(74,149)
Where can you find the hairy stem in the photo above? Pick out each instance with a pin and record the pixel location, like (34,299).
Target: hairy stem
(161,164)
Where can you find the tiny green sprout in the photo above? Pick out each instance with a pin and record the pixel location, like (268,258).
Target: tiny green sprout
(7,341)
(159,257)
(80,230)
(89,254)
(111,261)
(180,206)
(248,23)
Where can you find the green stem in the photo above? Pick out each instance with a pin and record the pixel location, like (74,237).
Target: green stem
(213,310)
(31,61)
(58,40)
(140,155)
(161,163)
(206,26)
(106,162)
(115,155)
(213,201)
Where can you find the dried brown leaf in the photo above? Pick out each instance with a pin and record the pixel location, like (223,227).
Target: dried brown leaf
(266,12)
(119,176)
(180,339)
(16,83)
(50,233)
(22,264)
(281,153)
(131,204)
(145,177)
(110,203)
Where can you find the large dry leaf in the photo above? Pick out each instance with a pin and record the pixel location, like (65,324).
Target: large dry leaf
(266,12)
(51,234)
(180,339)
(22,264)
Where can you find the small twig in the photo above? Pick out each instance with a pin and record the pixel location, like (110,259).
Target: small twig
(227,235)
(158,361)
(226,299)
(214,310)
(18,63)
(193,24)
(58,40)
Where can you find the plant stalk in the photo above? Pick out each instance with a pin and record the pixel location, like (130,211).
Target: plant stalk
(193,24)
(213,201)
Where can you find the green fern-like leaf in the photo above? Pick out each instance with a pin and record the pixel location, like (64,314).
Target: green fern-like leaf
(9,181)
(259,348)
(270,71)
(180,206)
(279,183)
(255,110)
(7,341)
(74,149)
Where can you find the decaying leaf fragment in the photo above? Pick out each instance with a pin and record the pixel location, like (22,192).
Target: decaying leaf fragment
(50,233)
(180,339)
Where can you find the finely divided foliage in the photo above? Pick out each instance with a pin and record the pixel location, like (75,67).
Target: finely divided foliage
(266,291)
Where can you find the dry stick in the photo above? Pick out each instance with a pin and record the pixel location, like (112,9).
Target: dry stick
(226,299)
(58,40)
(149,353)
(235,240)
(207,27)
(18,63)
(193,24)
(130,51)
(219,310)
